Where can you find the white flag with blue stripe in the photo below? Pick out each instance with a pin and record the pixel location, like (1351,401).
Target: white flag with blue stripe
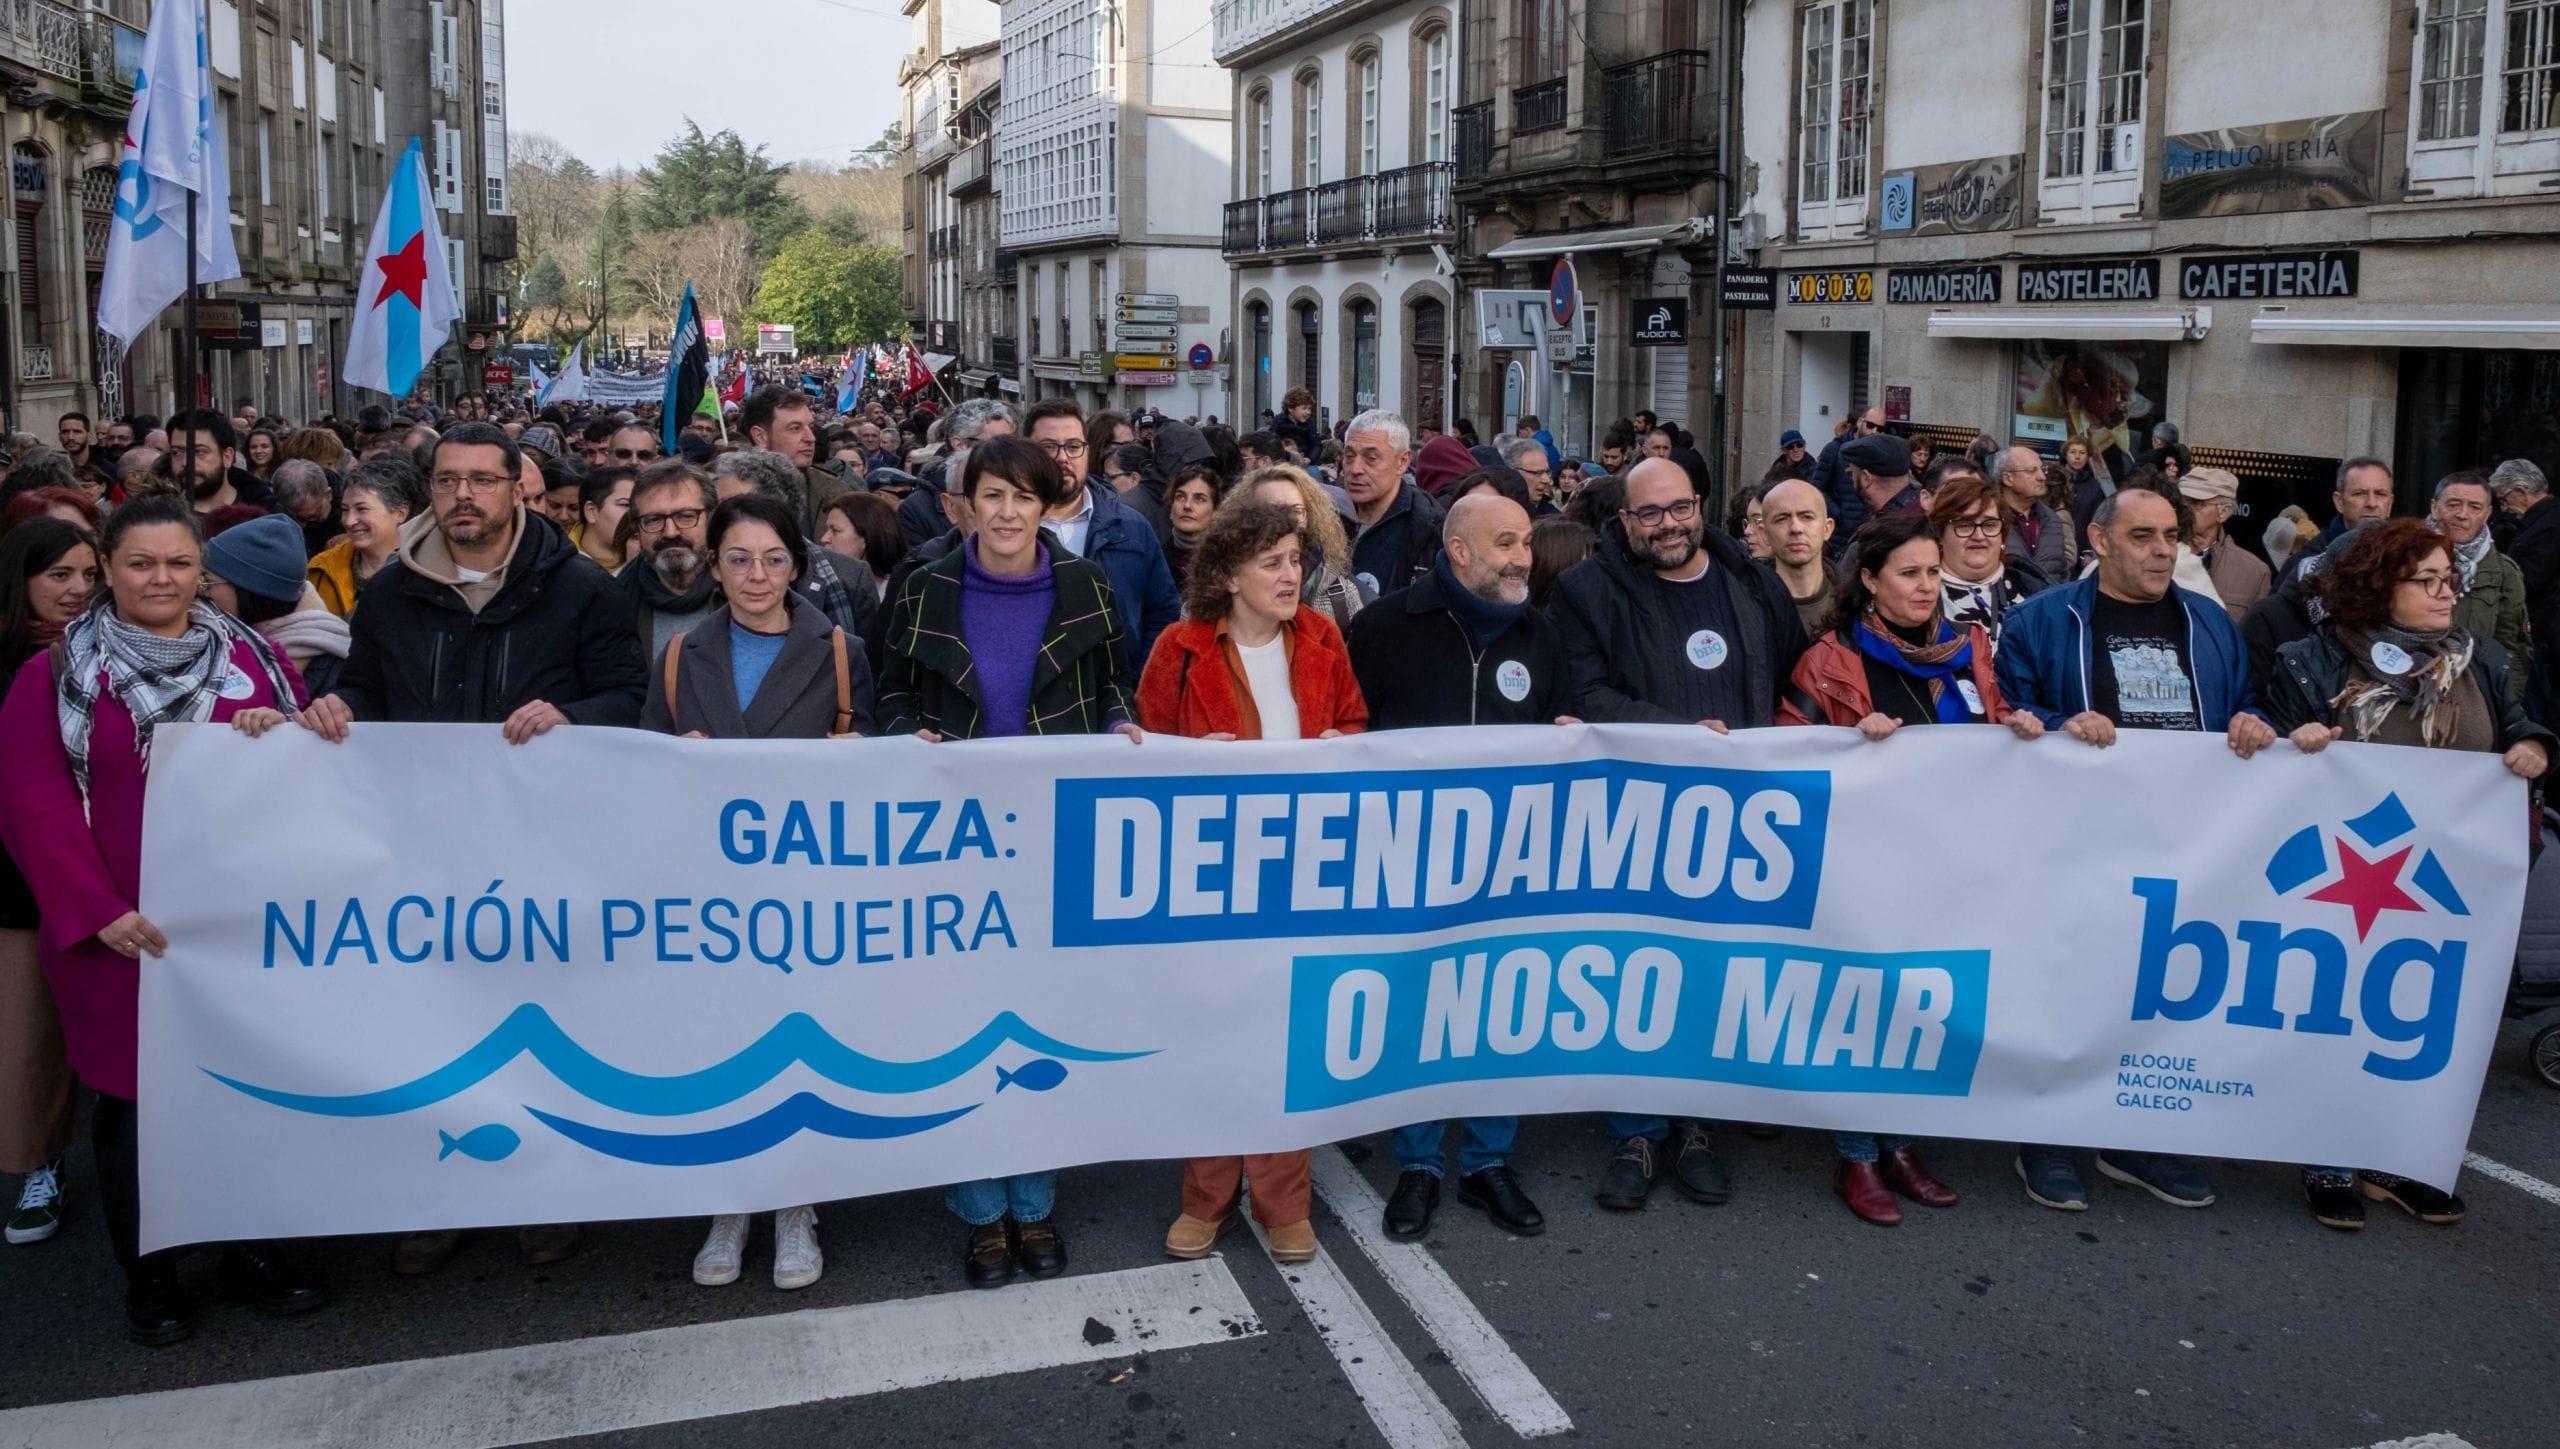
(405,302)
(173,151)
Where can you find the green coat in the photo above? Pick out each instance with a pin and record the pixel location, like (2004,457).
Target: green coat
(929,682)
(2493,608)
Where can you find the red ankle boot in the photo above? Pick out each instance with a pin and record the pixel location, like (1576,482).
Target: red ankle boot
(1864,1191)
(1901,1171)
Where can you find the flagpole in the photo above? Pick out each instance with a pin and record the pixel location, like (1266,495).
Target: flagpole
(187,330)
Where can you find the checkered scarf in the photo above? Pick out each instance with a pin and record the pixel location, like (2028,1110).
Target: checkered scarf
(159,680)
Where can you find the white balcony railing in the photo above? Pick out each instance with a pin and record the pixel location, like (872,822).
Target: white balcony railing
(43,34)
(35,364)
(1239,25)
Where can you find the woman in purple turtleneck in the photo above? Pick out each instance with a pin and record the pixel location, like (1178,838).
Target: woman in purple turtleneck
(1005,635)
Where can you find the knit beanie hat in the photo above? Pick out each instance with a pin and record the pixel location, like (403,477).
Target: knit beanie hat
(263,556)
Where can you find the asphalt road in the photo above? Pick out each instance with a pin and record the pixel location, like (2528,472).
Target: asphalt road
(1777,1319)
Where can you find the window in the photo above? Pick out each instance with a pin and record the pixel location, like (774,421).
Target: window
(1310,347)
(322,189)
(1831,184)
(1364,356)
(1260,313)
(1542,40)
(2093,85)
(1435,97)
(266,171)
(1366,97)
(1258,181)
(2460,45)
(30,183)
(1310,130)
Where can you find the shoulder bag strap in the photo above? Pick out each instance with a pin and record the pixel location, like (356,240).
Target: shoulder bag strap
(844,686)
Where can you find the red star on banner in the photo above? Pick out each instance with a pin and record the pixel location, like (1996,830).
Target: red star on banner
(404,272)
(2368,887)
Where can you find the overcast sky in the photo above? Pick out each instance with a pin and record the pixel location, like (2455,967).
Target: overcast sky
(613,79)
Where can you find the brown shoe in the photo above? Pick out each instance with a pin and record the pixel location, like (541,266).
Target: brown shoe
(419,1254)
(1864,1191)
(1901,1171)
(547,1243)
(1192,1237)
(1294,1242)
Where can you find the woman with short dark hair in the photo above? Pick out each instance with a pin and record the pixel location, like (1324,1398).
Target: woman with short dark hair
(2388,666)
(1247,662)
(1004,637)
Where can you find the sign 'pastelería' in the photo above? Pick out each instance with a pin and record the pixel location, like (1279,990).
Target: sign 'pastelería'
(798,971)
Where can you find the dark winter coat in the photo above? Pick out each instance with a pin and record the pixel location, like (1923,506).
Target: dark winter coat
(2311,673)
(1622,652)
(1400,547)
(1418,666)
(929,682)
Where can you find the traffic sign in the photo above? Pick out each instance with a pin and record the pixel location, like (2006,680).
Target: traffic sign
(1201,357)
(1142,361)
(1147,379)
(1147,299)
(1163,345)
(1150,314)
(1564,292)
(1153,331)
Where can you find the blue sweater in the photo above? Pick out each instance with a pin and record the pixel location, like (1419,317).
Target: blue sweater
(1003,620)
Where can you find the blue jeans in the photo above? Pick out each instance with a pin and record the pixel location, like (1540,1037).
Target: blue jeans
(1028,1196)
(1487,1144)
(1622,1126)
(1865,1146)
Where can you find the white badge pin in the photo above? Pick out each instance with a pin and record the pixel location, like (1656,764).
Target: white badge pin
(1513,680)
(1972,696)
(1706,649)
(2390,658)
(235,684)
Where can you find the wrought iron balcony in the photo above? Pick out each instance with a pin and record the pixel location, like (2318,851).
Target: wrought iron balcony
(1661,103)
(1473,138)
(1539,107)
(1241,233)
(1287,219)
(1413,201)
(1342,209)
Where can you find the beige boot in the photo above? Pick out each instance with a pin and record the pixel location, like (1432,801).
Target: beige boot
(1294,1242)
(1192,1237)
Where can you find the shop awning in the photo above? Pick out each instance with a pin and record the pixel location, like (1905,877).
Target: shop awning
(1619,239)
(2178,326)
(2407,331)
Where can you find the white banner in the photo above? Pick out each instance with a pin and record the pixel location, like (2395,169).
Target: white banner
(425,979)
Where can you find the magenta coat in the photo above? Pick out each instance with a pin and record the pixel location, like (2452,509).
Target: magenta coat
(87,873)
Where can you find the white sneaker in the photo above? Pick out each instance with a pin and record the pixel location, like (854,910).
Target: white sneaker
(796,1259)
(717,1263)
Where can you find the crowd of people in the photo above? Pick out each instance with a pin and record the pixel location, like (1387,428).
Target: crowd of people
(977,571)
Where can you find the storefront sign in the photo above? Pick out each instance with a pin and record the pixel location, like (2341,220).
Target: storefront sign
(2108,279)
(1661,321)
(1897,403)
(1822,289)
(1750,289)
(2315,164)
(1089,366)
(2268,274)
(1941,286)
(272,333)
(223,326)
(498,374)
(1956,196)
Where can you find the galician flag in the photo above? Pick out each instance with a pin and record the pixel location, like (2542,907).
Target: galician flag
(857,368)
(405,302)
(571,384)
(172,151)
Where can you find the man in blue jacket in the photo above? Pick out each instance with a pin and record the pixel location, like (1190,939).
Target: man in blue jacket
(2127,649)
(1097,527)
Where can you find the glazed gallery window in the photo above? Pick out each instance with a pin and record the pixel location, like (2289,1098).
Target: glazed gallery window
(1833,69)
(2485,108)
(1310,130)
(1259,183)
(1435,96)
(2093,92)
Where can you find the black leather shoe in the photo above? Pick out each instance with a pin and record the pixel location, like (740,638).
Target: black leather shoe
(1629,1176)
(1498,1194)
(1694,1169)
(1039,1249)
(2334,1203)
(260,1275)
(157,1312)
(1410,1206)
(987,1260)
(2426,1204)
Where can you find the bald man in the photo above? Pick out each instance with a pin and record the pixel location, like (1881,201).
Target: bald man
(1796,519)
(1459,647)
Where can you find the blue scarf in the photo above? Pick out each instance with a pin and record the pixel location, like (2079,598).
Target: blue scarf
(1948,657)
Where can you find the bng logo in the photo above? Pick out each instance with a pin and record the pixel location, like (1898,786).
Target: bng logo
(2374,876)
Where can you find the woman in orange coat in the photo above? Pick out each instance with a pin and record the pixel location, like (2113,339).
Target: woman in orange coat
(1887,658)
(1247,663)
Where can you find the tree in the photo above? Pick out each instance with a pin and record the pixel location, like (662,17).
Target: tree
(883,153)
(858,203)
(835,293)
(702,178)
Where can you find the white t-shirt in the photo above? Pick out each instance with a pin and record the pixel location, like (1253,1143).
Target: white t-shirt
(1266,673)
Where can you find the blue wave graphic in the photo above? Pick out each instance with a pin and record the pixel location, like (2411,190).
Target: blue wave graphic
(529,1030)
(798,1113)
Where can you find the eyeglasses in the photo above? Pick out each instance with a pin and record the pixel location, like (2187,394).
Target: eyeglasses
(739,561)
(1117,479)
(1653,515)
(681,518)
(2447,584)
(445,485)
(1867,427)
(1975,528)
(1062,447)
(636,455)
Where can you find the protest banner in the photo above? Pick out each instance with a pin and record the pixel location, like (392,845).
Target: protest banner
(610,974)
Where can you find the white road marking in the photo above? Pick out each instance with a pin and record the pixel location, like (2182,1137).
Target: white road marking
(674,1375)
(2426,1441)
(1447,1313)
(1400,1403)
(2523,1181)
